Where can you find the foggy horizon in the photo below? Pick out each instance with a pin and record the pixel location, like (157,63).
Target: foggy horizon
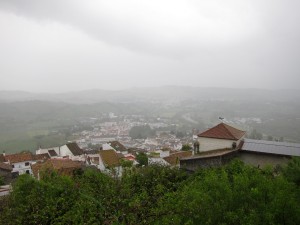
(68,46)
(146,88)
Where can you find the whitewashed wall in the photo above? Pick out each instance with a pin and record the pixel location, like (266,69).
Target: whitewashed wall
(65,151)
(208,144)
(21,168)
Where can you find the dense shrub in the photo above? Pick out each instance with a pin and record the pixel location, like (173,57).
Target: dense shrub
(233,194)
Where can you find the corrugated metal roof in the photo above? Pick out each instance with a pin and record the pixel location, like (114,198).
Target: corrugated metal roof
(272,147)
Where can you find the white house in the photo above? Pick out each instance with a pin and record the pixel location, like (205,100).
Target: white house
(115,145)
(106,146)
(47,150)
(109,162)
(72,151)
(221,136)
(52,152)
(21,162)
(69,150)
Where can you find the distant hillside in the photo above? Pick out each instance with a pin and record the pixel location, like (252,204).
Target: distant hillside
(25,125)
(28,120)
(169,94)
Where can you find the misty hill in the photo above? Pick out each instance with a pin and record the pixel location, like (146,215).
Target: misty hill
(28,124)
(28,119)
(170,94)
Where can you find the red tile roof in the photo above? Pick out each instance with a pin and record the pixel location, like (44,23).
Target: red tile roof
(19,157)
(223,131)
(63,166)
(41,157)
(64,163)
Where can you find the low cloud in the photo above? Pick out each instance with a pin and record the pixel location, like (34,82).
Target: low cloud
(206,43)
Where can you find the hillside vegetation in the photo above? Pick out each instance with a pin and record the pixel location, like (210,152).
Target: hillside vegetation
(234,194)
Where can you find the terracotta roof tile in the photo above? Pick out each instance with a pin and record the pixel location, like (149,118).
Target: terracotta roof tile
(44,156)
(109,157)
(223,131)
(19,157)
(64,166)
(64,163)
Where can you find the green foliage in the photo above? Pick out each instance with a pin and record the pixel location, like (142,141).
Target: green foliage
(41,202)
(141,132)
(292,170)
(236,194)
(146,187)
(186,147)
(142,159)
(126,163)
(1,180)
(233,194)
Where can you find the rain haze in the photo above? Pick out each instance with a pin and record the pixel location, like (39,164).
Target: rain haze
(60,46)
(149,112)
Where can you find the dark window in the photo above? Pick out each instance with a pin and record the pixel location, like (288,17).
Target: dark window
(27,164)
(27,171)
(13,166)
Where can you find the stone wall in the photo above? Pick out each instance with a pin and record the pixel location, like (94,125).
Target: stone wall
(193,164)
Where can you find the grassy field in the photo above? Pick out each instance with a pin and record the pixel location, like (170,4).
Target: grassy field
(32,143)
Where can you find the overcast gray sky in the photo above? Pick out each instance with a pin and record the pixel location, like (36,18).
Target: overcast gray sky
(69,45)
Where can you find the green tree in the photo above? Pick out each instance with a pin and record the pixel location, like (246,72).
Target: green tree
(232,194)
(126,163)
(292,170)
(186,147)
(142,159)
(147,186)
(236,194)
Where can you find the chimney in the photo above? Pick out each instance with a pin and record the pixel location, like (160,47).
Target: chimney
(3,153)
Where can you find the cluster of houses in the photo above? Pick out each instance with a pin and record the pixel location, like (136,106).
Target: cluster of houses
(213,147)
(120,130)
(64,159)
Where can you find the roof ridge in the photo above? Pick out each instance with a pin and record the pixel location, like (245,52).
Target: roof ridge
(228,127)
(223,131)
